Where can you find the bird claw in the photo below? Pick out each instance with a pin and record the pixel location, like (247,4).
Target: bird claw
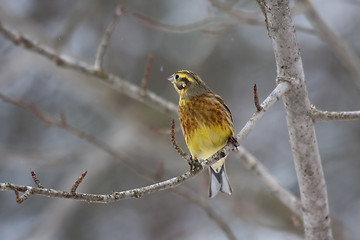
(234,142)
(195,165)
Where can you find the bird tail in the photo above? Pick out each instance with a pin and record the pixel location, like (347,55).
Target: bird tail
(219,180)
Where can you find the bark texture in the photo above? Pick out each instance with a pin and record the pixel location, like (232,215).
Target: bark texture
(300,124)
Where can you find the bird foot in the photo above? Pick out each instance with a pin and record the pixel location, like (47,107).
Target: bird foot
(234,142)
(195,165)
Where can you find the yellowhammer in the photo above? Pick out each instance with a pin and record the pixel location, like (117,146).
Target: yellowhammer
(206,124)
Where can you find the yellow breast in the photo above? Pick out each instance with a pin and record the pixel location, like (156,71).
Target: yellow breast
(206,125)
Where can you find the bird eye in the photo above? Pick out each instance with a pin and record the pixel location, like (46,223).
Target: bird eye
(176,76)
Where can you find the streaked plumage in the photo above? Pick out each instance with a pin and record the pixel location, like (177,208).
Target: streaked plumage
(206,124)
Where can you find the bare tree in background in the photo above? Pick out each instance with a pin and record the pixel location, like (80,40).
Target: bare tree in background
(301,116)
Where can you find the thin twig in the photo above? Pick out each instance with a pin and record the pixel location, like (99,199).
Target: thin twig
(274,96)
(120,9)
(145,79)
(19,199)
(175,145)
(36,180)
(322,116)
(256,99)
(78,182)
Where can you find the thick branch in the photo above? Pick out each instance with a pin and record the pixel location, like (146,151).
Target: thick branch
(301,127)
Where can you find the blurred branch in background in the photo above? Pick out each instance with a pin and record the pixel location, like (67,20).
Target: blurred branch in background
(247,17)
(75,19)
(259,170)
(62,124)
(243,16)
(203,25)
(344,53)
(115,82)
(204,204)
(145,79)
(120,9)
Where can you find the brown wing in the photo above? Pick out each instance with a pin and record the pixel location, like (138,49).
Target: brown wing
(223,103)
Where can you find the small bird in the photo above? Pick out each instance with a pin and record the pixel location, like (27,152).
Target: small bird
(206,123)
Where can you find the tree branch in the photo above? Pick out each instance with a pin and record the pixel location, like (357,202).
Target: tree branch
(145,79)
(346,56)
(123,87)
(301,127)
(133,193)
(67,62)
(127,194)
(322,116)
(78,182)
(175,145)
(192,27)
(120,9)
(137,192)
(204,204)
(256,99)
(62,124)
(35,179)
(274,96)
(247,17)
(259,170)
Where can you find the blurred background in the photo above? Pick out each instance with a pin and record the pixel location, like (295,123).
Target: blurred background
(229,54)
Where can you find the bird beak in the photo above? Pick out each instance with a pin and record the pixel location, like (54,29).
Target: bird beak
(171,78)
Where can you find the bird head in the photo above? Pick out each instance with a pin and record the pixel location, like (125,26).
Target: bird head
(188,84)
